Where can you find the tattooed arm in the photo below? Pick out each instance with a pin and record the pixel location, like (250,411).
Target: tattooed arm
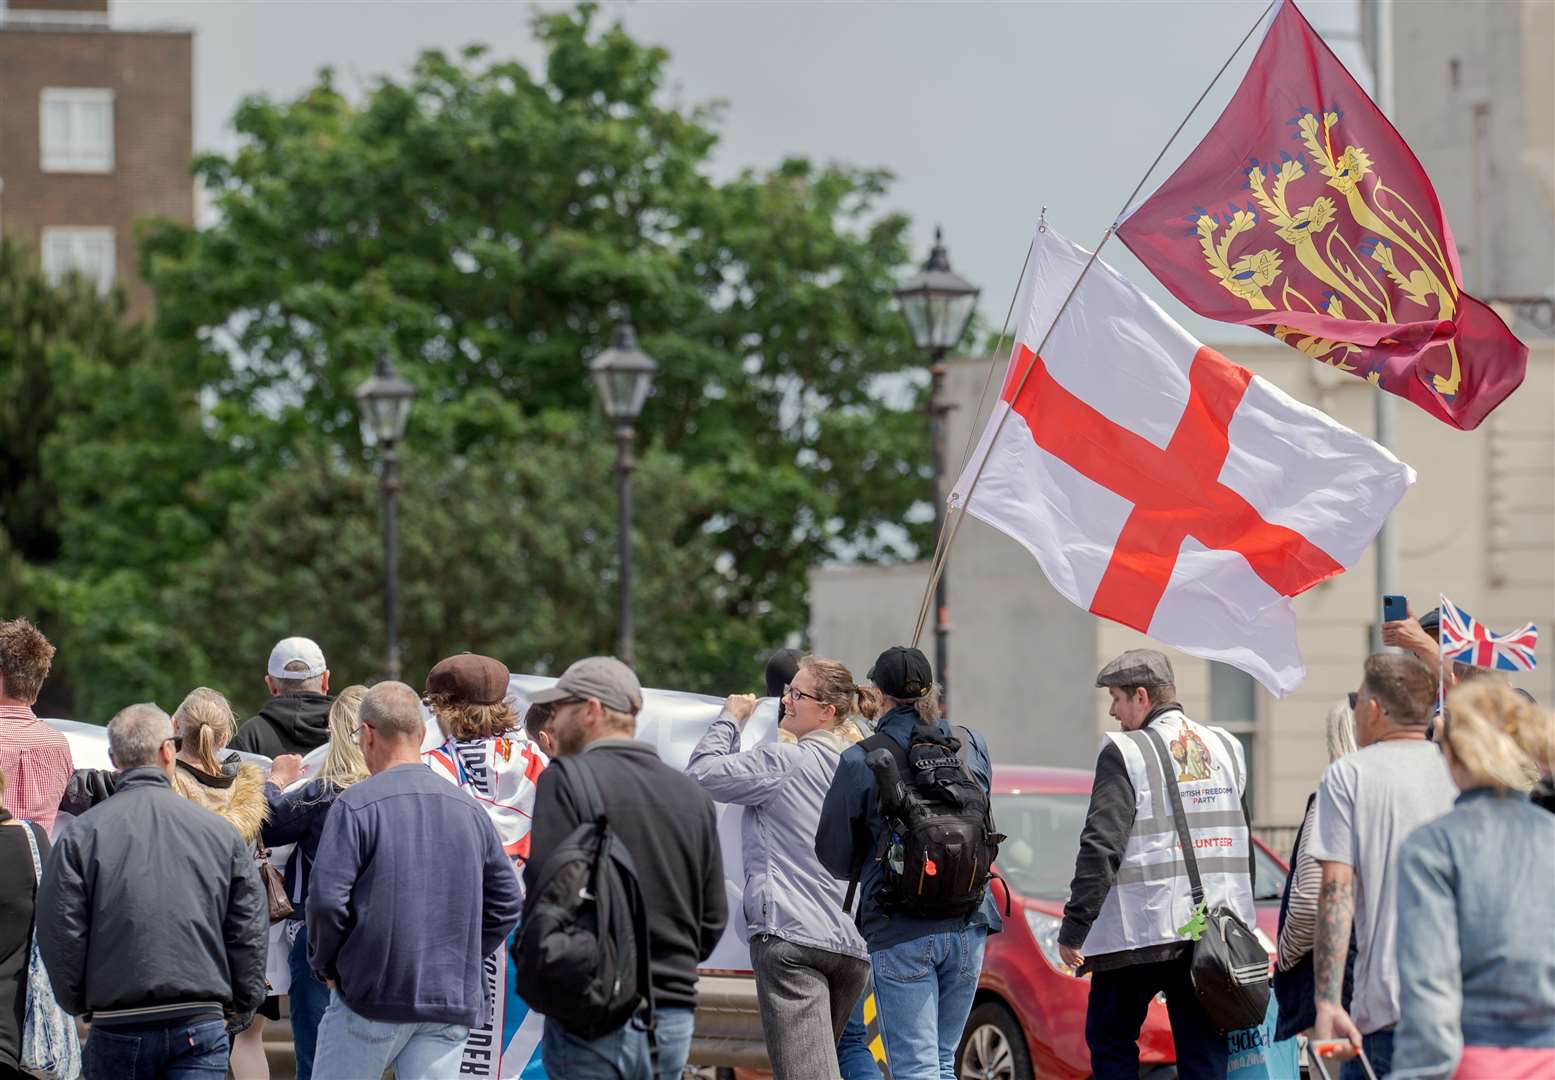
(1335,911)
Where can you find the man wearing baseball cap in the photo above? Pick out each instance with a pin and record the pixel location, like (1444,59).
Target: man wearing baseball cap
(926,963)
(669,826)
(296,718)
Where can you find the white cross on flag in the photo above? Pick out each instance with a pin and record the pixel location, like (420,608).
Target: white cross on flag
(1162,486)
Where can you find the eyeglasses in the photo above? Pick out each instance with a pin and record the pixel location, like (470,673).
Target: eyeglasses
(359,726)
(798,694)
(1353,696)
(177,741)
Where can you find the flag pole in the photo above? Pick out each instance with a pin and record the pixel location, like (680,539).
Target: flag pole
(1441,656)
(1383,410)
(938,566)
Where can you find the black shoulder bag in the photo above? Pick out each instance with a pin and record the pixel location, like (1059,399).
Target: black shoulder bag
(1228,965)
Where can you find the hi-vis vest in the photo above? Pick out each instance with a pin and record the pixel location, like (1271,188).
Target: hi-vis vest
(1151,896)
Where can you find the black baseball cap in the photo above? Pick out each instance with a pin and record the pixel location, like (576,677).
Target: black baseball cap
(903,673)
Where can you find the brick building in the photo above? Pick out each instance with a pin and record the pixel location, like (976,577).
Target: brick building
(96,133)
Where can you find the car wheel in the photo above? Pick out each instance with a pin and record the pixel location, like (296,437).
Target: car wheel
(993,1047)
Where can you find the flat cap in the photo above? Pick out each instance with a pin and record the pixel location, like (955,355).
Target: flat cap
(1138,667)
(469,678)
(604,678)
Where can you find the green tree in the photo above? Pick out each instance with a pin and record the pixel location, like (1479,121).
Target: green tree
(101,456)
(490,225)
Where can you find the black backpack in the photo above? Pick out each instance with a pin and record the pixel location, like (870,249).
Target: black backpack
(582,950)
(937,851)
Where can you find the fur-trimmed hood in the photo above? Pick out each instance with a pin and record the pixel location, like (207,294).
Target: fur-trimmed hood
(237,794)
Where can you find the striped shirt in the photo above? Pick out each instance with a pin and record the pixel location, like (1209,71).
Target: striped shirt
(35,760)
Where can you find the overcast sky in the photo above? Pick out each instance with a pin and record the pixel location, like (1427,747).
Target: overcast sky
(983,111)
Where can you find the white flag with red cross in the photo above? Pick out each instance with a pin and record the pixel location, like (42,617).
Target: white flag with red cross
(1162,486)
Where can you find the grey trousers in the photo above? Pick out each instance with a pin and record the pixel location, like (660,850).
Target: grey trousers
(806,996)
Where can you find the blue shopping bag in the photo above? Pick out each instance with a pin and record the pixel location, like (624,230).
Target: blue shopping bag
(1255,1055)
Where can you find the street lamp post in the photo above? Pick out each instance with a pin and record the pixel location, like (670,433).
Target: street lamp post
(385,400)
(938,304)
(623,376)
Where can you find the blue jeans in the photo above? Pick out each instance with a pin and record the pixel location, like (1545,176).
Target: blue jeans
(351,1046)
(924,989)
(853,1048)
(1378,1048)
(309,999)
(181,1050)
(620,1055)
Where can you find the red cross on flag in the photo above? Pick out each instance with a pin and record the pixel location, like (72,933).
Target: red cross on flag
(1162,486)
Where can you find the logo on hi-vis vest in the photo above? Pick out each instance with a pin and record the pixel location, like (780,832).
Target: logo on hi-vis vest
(1192,757)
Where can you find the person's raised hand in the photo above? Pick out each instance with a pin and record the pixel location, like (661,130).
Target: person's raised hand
(740,707)
(1409,635)
(286,770)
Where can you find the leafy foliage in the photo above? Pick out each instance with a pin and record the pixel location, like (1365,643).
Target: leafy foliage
(489,225)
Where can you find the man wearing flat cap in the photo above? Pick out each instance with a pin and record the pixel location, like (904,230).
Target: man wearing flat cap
(669,826)
(1131,893)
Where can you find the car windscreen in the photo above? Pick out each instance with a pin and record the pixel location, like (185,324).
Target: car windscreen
(1269,885)
(1044,837)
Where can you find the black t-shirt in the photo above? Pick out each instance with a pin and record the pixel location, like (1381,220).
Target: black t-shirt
(17,889)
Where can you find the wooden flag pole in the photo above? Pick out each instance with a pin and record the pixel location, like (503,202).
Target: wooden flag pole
(942,551)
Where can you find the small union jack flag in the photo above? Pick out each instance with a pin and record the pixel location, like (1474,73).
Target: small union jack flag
(1467,640)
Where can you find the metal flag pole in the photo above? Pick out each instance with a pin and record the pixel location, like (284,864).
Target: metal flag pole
(1383,403)
(1441,657)
(960,511)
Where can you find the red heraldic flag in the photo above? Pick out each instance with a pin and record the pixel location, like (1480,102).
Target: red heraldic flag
(1304,213)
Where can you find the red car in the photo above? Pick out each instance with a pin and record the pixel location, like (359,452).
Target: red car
(1028,1019)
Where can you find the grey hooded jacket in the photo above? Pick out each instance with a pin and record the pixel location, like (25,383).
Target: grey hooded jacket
(788,893)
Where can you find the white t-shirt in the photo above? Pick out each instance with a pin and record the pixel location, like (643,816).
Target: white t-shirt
(1367,804)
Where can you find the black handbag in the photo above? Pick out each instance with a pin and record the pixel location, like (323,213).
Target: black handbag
(1228,965)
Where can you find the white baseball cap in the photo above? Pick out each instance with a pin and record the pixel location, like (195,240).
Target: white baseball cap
(292,649)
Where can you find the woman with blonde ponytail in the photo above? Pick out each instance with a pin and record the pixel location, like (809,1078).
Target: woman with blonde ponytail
(227,785)
(1476,901)
(809,958)
(297,816)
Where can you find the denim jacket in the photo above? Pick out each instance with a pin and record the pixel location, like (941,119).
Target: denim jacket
(1476,936)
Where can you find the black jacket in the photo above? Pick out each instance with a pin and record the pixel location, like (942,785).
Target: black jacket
(155,910)
(17,890)
(669,825)
(286,724)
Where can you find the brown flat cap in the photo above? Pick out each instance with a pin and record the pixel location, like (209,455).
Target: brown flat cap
(470,678)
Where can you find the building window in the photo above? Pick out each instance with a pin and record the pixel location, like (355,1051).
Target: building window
(89,252)
(1233,705)
(76,130)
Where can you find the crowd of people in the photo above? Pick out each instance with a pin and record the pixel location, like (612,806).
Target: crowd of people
(1417,927)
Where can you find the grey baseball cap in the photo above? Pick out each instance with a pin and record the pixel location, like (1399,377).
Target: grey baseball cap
(602,677)
(1138,667)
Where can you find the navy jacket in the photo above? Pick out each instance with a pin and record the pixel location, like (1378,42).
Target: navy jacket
(410,893)
(851,828)
(297,817)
